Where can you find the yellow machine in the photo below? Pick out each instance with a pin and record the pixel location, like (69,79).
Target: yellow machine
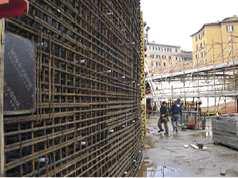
(142,84)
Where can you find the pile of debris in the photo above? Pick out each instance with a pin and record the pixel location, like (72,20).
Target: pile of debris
(225,130)
(198,146)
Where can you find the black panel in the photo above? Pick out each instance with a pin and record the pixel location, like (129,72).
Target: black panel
(19,66)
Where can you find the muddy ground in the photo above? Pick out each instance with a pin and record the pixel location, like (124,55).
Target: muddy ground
(166,155)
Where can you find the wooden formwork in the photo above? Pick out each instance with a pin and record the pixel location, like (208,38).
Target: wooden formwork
(86,120)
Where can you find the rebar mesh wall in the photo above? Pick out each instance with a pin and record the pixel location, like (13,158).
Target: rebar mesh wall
(87,120)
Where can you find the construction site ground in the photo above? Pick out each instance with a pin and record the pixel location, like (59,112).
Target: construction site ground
(169,156)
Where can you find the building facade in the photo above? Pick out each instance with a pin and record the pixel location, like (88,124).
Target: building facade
(161,58)
(216,42)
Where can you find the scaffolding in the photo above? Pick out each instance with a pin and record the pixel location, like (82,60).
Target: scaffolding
(86,120)
(217,81)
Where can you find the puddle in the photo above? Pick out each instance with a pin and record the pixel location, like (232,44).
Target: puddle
(148,169)
(163,171)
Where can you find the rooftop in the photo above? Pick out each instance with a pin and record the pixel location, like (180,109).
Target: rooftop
(162,45)
(226,20)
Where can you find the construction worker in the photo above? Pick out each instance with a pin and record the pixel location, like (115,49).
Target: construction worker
(163,119)
(176,113)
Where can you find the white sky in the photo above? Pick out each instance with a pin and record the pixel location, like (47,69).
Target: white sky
(173,21)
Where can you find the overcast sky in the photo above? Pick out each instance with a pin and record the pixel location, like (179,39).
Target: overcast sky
(173,21)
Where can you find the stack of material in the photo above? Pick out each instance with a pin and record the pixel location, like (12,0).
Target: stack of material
(191,119)
(225,130)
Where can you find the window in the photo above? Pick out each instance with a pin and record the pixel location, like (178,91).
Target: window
(229,28)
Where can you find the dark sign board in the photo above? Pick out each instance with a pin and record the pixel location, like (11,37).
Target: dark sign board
(19,74)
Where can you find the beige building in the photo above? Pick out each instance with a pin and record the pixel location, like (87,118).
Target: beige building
(216,42)
(161,58)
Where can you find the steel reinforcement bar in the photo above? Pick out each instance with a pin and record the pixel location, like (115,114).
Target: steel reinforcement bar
(87,116)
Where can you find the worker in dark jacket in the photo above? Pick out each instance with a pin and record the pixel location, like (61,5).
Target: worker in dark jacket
(163,118)
(176,113)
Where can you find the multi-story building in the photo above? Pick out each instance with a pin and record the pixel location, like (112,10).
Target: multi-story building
(160,57)
(216,42)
